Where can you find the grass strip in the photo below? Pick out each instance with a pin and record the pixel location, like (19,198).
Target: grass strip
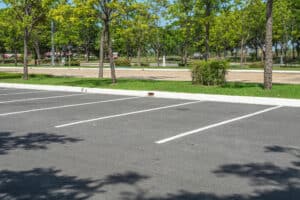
(232,88)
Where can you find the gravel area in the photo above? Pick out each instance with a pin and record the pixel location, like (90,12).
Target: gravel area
(180,75)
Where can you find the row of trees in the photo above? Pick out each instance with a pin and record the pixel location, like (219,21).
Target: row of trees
(158,27)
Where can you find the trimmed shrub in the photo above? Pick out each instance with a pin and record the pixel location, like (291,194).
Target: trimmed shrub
(122,62)
(8,61)
(209,73)
(173,58)
(45,61)
(74,63)
(143,64)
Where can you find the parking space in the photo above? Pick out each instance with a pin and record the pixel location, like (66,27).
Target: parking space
(91,146)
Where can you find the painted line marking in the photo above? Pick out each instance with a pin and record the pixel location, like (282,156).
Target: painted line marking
(125,114)
(3,89)
(216,125)
(41,98)
(22,93)
(65,106)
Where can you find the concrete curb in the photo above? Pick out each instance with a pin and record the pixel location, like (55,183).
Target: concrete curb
(157,94)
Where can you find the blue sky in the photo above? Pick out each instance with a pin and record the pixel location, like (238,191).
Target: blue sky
(2,5)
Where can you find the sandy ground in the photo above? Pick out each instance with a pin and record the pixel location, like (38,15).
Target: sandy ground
(180,75)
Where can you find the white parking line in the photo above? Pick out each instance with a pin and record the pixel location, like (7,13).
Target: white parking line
(3,89)
(65,106)
(125,114)
(40,98)
(22,93)
(215,125)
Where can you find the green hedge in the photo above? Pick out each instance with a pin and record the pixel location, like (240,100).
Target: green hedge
(210,72)
(74,63)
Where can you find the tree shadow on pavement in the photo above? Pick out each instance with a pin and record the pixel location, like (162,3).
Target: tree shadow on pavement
(283,183)
(31,141)
(51,184)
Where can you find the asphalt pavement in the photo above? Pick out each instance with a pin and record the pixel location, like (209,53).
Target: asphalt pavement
(62,145)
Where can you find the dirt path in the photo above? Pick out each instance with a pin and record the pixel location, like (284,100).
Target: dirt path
(156,74)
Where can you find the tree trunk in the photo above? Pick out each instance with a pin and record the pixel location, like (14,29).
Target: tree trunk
(53,56)
(293,51)
(128,49)
(185,56)
(242,52)
(25,65)
(263,55)
(298,49)
(16,57)
(256,53)
(101,54)
(110,53)
(281,56)
(225,53)
(157,57)
(207,29)
(245,55)
(285,52)
(276,50)
(269,44)
(87,53)
(139,56)
(219,53)
(37,51)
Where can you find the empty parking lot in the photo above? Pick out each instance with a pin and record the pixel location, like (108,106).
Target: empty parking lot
(61,145)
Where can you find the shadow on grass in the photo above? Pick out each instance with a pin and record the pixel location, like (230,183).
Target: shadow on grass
(19,76)
(31,141)
(4,76)
(240,85)
(94,82)
(42,76)
(104,82)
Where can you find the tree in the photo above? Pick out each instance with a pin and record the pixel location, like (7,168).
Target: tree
(11,35)
(76,25)
(269,45)
(209,8)
(28,13)
(87,25)
(107,10)
(156,40)
(133,28)
(183,11)
(295,28)
(282,25)
(139,27)
(256,26)
(226,32)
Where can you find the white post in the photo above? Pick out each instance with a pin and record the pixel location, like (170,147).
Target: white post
(164,61)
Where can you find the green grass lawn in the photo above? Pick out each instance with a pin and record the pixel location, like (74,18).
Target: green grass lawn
(240,89)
